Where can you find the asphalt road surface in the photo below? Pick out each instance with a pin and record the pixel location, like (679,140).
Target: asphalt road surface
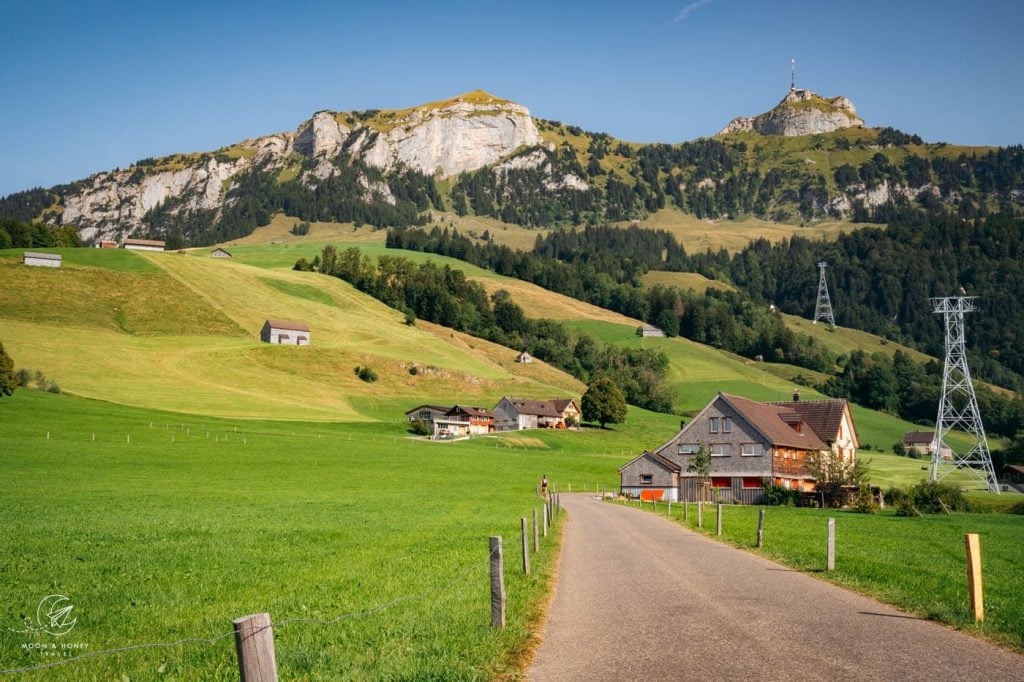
(640,597)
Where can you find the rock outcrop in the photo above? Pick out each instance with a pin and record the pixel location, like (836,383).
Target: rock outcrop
(801,112)
(445,138)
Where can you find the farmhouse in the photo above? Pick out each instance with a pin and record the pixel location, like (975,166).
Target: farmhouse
(749,442)
(428,414)
(42,260)
(516,414)
(144,244)
(570,411)
(220,253)
(480,420)
(650,330)
(524,357)
(285,332)
(923,443)
(107,244)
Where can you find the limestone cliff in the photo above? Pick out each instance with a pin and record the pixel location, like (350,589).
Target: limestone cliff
(444,138)
(801,112)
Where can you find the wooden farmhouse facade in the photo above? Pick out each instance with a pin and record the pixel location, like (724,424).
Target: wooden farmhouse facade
(749,443)
(42,260)
(570,411)
(427,414)
(923,443)
(517,414)
(479,420)
(144,244)
(285,332)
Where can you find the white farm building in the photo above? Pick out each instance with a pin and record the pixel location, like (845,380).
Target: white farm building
(43,260)
(285,332)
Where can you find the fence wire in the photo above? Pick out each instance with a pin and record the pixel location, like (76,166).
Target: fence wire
(211,640)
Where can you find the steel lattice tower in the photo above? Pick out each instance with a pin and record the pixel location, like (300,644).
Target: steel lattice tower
(958,406)
(823,309)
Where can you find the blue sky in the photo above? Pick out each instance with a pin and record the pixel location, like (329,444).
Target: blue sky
(89,86)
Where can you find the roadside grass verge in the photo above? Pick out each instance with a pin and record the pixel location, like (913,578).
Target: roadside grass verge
(915,564)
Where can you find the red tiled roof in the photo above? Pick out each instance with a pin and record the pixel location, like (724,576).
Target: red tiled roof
(288,324)
(823,416)
(918,437)
(561,404)
(769,419)
(540,408)
(480,412)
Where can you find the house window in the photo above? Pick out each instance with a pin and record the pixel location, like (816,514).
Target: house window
(751,482)
(726,424)
(713,425)
(646,479)
(721,450)
(751,449)
(688,448)
(721,482)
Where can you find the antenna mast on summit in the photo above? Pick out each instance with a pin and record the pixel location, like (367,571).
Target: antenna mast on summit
(958,406)
(823,308)
(792,80)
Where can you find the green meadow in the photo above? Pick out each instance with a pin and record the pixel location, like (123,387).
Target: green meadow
(915,564)
(168,526)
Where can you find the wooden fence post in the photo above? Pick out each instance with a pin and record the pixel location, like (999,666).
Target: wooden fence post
(545,520)
(700,514)
(670,508)
(830,559)
(254,642)
(972,543)
(497,584)
(760,528)
(536,537)
(526,548)
(686,512)
(719,529)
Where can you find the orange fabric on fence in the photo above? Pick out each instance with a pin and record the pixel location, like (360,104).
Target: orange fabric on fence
(651,494)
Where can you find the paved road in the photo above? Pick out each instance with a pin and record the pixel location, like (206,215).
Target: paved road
(639,597)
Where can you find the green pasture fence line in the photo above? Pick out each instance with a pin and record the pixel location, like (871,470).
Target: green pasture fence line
(243,630)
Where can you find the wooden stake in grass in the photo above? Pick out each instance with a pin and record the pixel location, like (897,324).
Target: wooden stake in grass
(545,520)
(700,514)
(972,544)
(497,583)
(719,529)
(254,642)
(830,550)
(536,538)
(760,528)
(686,512)
(526,548)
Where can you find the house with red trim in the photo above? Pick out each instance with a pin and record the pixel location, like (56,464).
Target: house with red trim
(749,443)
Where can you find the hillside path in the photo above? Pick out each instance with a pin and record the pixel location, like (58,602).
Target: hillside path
(640,597)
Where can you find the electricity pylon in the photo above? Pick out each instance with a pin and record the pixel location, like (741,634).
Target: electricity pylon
(958,406)
(823,309)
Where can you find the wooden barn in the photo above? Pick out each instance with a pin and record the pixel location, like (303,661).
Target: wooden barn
(144,244)
(42,260)
(285,332)
(650,476)
(750,442)
(107,244)
(220,253)
(517,414)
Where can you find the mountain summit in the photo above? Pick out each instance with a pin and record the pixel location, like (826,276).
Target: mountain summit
(801,112)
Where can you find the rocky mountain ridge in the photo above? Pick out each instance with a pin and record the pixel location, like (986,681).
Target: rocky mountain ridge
(440,139)
(801,112)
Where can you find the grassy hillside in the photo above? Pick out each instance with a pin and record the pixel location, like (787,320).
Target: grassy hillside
(200,520)
(182,334)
